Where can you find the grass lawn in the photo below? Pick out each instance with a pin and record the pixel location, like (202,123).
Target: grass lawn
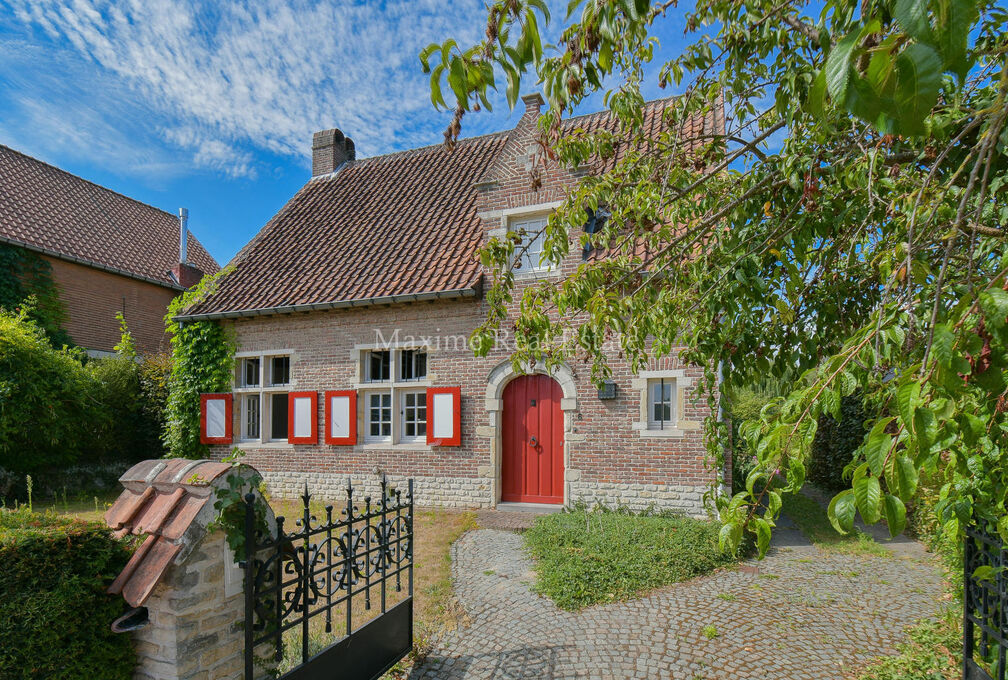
(811,518)
(92,509)
(585,558)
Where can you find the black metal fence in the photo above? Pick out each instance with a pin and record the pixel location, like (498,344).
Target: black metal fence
(985,606)
(307,583)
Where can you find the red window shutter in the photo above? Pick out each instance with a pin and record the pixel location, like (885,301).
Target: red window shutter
(302,418)
(444,416)
(341,417)
(216,419)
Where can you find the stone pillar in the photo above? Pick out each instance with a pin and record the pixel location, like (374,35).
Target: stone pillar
(197,613)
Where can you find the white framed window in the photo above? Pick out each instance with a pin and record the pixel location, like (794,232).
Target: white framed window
(392,393)
(528,253)
(262,384)
(378,417)
(412,365)
(661,403)
(378,366)
(251,410)
(413,412)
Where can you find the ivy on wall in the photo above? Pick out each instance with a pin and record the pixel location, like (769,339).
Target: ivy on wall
(202,362)
(25,274)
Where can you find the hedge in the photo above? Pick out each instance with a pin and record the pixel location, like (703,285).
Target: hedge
(54,612)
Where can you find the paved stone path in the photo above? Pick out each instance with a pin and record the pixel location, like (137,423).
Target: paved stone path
(800,614)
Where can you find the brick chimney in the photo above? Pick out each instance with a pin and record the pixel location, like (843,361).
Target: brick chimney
(533,103)
(330,149)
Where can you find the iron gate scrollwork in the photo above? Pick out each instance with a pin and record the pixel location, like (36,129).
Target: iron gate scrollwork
(303,582)
(985,606)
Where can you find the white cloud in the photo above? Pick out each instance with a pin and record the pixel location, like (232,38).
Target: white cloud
(210,84)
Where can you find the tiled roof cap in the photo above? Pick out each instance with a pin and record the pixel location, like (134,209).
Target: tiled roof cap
(171,501)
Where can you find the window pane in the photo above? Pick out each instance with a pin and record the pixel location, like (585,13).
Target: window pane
(657,412)
(667,395)
(420,370)
(251,372)
(378,366)
(252,416)
(279,370)
(666,413)
(278,416)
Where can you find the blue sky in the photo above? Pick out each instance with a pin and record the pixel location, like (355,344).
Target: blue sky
(212,106)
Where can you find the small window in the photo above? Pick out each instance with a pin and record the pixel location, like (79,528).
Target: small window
(413,365)
(279,370)
(250,372)
(378,366)
(380,416)
(661,403)
(414,415)
(278,416)
(250,416)
(528,253)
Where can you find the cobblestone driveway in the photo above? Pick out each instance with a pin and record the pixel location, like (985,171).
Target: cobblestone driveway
(806,615)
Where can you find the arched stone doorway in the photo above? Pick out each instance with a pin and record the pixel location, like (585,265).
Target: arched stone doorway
(497,383)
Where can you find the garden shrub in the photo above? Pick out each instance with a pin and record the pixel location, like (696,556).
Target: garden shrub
(59,408)
(46,409)
(54,613)
(835,443)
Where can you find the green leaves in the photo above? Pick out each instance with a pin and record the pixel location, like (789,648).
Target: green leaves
(918,81)
(877,446)
(841,511)
(895,514)
(867,496)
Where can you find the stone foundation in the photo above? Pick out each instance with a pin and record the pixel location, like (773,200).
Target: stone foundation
(444,492)
(639,497)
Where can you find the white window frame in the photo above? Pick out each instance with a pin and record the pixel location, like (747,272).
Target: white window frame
(526,261)
(400,363)
(404,395)
(265,389)
(661,383)
(396,386)
(645,424)
(366,361)
(378,438)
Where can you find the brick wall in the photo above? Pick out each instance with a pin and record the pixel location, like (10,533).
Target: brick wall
(93,296)
(607,457)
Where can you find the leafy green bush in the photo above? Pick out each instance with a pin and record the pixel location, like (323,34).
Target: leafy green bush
(835,443)
(58,408)
(46,410)
(54,613)
(583,558)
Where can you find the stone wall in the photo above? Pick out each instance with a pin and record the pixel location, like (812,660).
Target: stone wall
(196,619)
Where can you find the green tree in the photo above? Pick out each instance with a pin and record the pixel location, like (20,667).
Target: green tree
(865,254)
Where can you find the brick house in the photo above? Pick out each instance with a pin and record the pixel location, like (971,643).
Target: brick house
(352,309)
(108,253)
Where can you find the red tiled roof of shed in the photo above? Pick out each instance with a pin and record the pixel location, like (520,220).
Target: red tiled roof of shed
(162,498)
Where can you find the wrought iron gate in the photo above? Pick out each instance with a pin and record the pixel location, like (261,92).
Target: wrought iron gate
(301,583)
(985,606)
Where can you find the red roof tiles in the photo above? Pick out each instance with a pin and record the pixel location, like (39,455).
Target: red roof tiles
(162,499)
(50,210)
(385,228)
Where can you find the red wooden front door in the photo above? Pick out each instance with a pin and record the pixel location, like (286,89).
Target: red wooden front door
(532,440)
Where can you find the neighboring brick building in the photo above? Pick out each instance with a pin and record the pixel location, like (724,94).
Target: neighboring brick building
(352,309)
(108,252)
